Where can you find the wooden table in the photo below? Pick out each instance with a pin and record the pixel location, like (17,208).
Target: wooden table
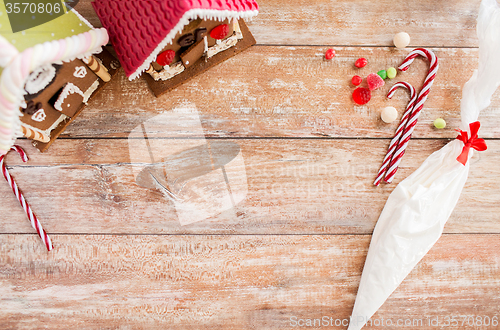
(294,248)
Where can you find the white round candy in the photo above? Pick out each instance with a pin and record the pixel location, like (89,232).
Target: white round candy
(401,40)
(389,114)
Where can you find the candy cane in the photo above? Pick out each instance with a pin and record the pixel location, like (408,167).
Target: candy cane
(404,120)
(20,197)
(422,97)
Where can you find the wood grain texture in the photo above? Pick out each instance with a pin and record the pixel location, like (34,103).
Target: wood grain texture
(294,186)
(229,282)
(290,92)
(366,23)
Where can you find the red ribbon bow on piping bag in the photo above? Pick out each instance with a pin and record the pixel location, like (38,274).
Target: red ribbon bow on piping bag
(472,142)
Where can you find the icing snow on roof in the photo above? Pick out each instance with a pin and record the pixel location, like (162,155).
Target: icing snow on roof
(139,30)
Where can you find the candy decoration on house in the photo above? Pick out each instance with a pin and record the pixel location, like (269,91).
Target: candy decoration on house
(45,81)
(417,210)
(175,40)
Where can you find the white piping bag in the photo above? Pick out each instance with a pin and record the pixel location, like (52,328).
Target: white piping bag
(417,210)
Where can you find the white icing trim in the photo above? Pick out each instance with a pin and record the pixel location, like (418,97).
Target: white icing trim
(70,88)
(237,29)
(82,18)
(168,72)
(39,116)
(223,45)
(47,73)
(89,91)
(211,14)
(51,128)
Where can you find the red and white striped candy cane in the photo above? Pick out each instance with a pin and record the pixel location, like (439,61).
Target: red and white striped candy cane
(404,120)
(31,216)
(422,97)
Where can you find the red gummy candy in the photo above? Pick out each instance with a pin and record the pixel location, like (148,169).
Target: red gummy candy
(361,62)
(374,81)
(220,32)
(165,58)
(356,80)
(361,95)
(330,53)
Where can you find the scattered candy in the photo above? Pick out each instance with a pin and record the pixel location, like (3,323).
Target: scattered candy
(382,74)
(374,81)
(391,73)
(439,123)
(356,80)
(361,95)
(165,58)
(401,40)
(389,114)
(330,53)
(361,62)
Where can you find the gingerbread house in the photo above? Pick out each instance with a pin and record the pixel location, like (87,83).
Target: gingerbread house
(174,40)
(48,74)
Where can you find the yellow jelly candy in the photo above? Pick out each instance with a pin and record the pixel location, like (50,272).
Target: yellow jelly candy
(391,73)
(439,123)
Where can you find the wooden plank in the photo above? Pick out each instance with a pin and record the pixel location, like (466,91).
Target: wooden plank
(347,22)
(294,186)
(230,282)
(289,92)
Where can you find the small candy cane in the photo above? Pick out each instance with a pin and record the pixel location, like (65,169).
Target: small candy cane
(20,197)
(422,97)
(404,120)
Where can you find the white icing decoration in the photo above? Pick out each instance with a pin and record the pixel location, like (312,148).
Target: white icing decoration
(39,79)
(114,65)
(237,29)
(39,115)
(48,130)
(72,89)
(67,90)
(90,90)
(168,71)
(222,45)
(80,72)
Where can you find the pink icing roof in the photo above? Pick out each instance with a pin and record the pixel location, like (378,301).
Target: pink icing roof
(139,30)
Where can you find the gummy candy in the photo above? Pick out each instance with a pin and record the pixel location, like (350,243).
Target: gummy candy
(330,53)
(382,74)
(374,81)
(356,80)
(391,73)
(361,62)
(361,95)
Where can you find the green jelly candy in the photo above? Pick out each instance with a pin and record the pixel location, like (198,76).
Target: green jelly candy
(439,123)
(382,74)
(391,73)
